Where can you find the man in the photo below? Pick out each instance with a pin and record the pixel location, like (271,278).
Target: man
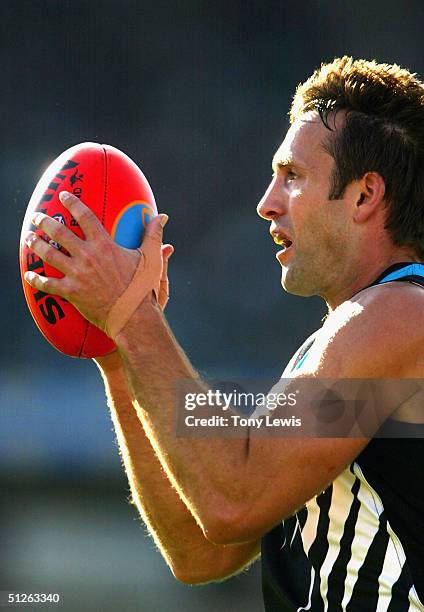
(340,518)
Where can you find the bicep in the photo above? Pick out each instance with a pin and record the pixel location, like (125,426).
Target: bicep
(292,472)
(345,397)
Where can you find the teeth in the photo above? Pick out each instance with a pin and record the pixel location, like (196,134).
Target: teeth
(285,242)
(282,241)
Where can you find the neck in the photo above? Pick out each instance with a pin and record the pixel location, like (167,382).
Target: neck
(362,276)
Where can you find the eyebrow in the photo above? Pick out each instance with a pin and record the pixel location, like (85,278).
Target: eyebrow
(281,163)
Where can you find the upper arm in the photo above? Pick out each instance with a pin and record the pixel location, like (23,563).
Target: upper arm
(375,337)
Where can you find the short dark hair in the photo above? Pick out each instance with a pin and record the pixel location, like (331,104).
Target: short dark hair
(383,132)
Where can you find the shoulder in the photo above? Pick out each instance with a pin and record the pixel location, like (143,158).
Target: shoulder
(396,297)
(377,334)
(301,351)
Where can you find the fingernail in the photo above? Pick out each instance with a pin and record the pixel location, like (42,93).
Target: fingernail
(163,219)
(37,218)
(29,239)
(65,196)
(29,276)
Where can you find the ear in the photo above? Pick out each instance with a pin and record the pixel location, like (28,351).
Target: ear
(370,196)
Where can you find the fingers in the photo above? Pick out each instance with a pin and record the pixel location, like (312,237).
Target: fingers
(167,250)
(44,283)
(57,231)
(48,253)
(163,292)
(87,220)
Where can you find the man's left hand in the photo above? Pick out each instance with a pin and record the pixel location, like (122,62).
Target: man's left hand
(96,271)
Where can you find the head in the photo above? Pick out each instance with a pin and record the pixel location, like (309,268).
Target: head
(357,137)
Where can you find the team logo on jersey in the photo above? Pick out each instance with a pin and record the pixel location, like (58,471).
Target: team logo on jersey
(129,225)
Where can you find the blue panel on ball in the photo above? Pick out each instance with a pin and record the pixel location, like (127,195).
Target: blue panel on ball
(130,226)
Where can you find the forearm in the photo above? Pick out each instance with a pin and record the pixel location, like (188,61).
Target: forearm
(191,557)
(200,468)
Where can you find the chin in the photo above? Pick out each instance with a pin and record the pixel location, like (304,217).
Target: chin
(296,283)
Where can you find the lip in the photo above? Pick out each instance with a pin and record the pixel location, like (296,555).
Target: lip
(281,255)
(279,236)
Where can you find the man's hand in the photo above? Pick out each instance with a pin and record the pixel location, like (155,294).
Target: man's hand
(97,270)
(112,361)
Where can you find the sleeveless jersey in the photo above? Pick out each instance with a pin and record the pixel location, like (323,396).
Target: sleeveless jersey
(359,545)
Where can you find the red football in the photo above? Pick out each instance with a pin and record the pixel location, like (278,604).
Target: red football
(118,193)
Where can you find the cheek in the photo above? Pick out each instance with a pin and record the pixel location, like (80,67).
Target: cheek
(304,218)
(313,230)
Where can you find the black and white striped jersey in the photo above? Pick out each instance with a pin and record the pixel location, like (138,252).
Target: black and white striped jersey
(359,545)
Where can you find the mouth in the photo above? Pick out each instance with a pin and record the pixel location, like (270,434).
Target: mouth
(286,244)
(282,239)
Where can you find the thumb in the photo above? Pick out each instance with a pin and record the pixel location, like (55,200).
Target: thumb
(154,229)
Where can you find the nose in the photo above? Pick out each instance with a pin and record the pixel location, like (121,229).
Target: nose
(272,204)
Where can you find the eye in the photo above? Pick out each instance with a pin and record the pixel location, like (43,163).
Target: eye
(290,176)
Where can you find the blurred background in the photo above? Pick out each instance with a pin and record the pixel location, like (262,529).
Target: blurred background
(197,93)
